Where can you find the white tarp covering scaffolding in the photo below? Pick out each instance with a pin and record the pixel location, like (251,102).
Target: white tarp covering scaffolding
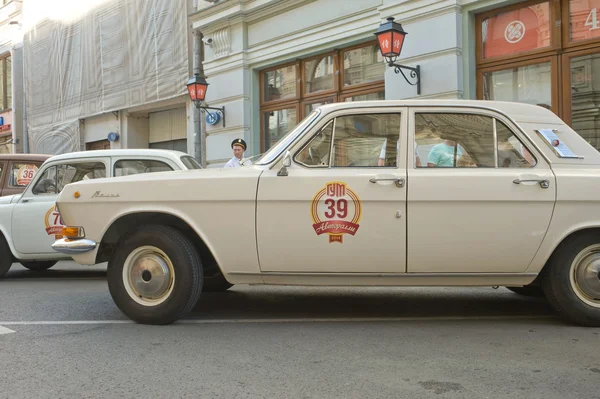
(114,55)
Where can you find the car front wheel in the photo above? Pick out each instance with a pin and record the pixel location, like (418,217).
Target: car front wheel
(155,275)
(572,281)
(5,257)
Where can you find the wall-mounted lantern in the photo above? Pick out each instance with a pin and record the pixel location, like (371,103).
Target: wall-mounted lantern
(197,86)
(390,37)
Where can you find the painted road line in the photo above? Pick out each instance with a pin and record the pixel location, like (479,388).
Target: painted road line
(293,320)
(4,330)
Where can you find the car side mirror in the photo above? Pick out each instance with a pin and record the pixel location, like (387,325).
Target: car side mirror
(287,162)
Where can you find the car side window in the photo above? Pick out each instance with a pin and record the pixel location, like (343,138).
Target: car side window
(21,174)
(316,152)
(46,184)
(366,140)
(454,140)
(71,173)
(126,167)
(511,152)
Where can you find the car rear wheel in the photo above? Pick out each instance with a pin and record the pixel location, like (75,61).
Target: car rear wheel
(572,280)
(5,257)
(528,290)
(38,266)
(155,275)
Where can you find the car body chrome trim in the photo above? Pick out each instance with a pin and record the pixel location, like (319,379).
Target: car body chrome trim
(73,247)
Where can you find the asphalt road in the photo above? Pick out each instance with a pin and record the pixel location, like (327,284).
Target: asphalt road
(62,336)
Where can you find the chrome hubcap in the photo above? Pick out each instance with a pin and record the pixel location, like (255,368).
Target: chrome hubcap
(585,275)
(148,276)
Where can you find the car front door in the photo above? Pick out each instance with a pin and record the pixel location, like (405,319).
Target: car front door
(341,205)
(36,222)
(482,199)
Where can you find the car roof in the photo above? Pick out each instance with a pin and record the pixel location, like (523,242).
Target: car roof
(520,112)
(151,152)
(25,157)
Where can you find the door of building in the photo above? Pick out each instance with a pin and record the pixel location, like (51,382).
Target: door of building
(98,145)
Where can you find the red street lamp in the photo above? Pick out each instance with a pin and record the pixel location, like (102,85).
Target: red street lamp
(197,86)
(390,37)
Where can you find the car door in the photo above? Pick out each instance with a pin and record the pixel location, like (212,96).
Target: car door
(341,205)
(482,199)
(36,222)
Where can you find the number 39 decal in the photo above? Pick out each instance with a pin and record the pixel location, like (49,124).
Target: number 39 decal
(336,210)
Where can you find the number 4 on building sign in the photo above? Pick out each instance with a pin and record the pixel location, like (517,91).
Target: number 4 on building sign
(594,20)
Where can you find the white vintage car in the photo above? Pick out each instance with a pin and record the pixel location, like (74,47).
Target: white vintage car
(382,193)
(30,223)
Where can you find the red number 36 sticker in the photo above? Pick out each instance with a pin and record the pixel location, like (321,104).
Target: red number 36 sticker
(25,174)
(336,210)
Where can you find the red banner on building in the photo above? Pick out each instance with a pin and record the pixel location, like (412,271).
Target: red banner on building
(516,31)
(584,19)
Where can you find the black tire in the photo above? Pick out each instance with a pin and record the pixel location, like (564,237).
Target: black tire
(6,259)
(216,283)
(557,285)
(528,290)
(38,266)
(186,269)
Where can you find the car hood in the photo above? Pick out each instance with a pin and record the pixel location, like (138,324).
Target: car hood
(182,185)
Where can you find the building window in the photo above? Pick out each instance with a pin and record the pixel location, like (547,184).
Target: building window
(545,53)
(292,91)
(5,83)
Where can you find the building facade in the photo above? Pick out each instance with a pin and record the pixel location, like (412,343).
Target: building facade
(69,80)
(100,74)
(11,77)
(271,62)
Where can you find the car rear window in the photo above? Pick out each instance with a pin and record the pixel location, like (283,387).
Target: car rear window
(21,174)
(127,167)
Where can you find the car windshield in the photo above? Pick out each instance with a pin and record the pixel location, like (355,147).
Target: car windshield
(190,162)
(286,140)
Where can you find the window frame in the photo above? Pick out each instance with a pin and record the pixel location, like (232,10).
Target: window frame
(400,112)
(555,33)
(517,133)
(114,168)
(302,99)
(41,172)
(567,43)
(24,162)
(554,77)
(360,86)
(323,93)
(4,77)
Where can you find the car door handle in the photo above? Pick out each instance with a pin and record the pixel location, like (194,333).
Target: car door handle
(397,180)
(544,183)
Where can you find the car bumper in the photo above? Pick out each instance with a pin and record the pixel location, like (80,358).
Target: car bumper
(73,247)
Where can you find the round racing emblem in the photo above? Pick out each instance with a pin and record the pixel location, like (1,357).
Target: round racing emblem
(514,31)
(53,222)
(25,174)
(336,210)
